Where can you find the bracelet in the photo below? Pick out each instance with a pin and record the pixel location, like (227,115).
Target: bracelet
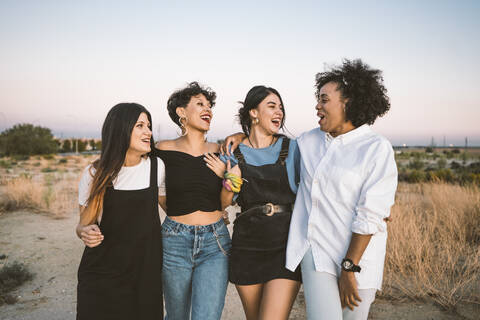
(227,185)
(232,182)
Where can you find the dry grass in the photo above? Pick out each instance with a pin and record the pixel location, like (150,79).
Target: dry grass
(434,244)
(42,185)
(52,194)
(434,238)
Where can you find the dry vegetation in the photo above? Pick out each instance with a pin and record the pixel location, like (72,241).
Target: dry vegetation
(434,244)
(434,238)
(47,185)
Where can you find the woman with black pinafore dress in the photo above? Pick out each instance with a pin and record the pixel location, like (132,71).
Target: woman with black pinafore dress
(259,241)
(268,164)
(119,276)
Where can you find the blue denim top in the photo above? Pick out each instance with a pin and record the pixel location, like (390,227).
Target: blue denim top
(268,155)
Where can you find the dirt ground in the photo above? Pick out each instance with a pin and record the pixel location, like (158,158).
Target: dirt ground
(52,252)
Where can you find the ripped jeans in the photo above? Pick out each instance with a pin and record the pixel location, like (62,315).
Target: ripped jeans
(195,269)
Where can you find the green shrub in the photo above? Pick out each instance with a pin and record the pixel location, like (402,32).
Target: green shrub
(12,276)
(5,164)
(20,157)
(48,156)
(63,160)
(416,164)
(441,163)
(416,176)
(48,169)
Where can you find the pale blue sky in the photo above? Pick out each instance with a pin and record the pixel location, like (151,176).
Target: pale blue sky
(64,64)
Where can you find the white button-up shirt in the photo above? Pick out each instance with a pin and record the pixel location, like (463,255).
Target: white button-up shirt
(347,185)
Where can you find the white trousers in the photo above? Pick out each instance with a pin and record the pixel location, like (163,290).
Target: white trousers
(322,296)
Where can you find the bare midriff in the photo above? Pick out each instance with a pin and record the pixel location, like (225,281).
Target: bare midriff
(198,218)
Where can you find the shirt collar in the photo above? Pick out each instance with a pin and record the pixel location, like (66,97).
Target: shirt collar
(349,136)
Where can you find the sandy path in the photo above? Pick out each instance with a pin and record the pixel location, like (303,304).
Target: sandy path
(52,252)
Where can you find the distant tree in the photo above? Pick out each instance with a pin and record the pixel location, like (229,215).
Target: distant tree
(82,145)
(98,145)
(67,146)
(429,149)
(92,144)
(27,139)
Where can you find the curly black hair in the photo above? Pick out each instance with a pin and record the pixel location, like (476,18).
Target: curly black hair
(181,98)
(362,86)
(254,97)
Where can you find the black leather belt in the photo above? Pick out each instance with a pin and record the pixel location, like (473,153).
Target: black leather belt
(269,209)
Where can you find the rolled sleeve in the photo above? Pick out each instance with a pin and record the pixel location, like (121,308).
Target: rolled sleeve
(377,194)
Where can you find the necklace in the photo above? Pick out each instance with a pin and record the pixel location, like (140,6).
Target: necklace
(271,142)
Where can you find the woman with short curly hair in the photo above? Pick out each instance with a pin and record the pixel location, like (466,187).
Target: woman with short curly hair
(348,181)
(196,241)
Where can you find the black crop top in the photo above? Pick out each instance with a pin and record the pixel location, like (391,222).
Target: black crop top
(190,184)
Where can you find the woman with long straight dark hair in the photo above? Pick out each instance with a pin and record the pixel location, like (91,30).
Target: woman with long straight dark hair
(119,276)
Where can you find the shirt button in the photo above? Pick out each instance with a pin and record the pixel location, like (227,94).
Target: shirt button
(315,181)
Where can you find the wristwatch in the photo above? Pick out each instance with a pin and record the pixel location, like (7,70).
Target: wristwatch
(349,266)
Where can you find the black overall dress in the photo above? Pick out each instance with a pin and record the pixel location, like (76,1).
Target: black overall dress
(259,241)
(121,278)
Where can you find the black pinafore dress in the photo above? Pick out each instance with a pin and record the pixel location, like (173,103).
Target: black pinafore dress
(121,278)
(259,241)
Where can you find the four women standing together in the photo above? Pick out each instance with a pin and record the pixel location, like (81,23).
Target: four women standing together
(346,180)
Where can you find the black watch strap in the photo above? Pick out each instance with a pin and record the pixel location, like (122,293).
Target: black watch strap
(349,266)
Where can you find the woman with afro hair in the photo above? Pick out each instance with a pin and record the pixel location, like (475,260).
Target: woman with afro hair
(338,232)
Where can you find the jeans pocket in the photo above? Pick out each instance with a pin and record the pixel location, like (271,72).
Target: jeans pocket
(168,231)
(223,240)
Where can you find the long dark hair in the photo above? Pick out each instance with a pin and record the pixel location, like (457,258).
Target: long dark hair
(116,133)
(254,97)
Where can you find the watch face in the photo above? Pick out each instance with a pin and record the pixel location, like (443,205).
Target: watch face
(347,264)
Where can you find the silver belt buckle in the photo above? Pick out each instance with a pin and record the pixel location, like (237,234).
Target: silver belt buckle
(270,209)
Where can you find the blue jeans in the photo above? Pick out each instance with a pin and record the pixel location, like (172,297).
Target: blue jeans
(195,269)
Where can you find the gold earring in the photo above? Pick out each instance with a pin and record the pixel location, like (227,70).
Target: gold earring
(255,121)
(182,126)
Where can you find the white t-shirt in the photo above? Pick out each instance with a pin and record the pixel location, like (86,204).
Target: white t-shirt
(129,178)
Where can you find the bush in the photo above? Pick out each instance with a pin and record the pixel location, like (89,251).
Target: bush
(48,156)
(441,163)
(63,160)
(12,276)
(416,164)
(48,169)
(26,140)
(5,164)
(416,176)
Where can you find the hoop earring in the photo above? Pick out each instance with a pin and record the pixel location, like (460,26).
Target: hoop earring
(182,126)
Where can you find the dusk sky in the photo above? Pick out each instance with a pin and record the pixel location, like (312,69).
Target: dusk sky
(64,64)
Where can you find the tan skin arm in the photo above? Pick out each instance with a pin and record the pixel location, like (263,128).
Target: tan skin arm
(162,201)
(89,234)
(347,284)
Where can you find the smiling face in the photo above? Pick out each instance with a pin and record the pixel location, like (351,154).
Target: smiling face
(269,114)
(198,113)
(141,135)
(331,110)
